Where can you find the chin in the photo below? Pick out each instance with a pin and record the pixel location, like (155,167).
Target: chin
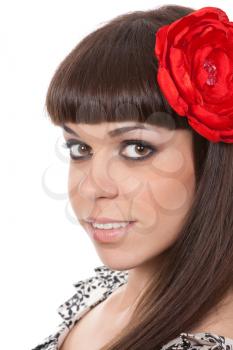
(117,262)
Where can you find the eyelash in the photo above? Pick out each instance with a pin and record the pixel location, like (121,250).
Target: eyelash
(69,143)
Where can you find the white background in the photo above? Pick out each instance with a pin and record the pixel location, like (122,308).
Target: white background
(43,249)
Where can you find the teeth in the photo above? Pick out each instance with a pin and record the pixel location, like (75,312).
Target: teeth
(110,225)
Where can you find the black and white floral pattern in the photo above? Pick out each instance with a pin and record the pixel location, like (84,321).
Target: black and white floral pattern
(93,290)
(203,341)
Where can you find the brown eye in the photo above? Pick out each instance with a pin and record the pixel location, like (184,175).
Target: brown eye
(78,150)
(137,148)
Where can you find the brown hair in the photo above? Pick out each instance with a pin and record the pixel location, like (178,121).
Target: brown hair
(111,76)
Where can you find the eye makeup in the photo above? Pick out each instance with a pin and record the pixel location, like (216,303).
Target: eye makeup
(141,145)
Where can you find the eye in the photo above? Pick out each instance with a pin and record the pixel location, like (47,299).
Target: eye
(135,147)
(75,148)
(138,147)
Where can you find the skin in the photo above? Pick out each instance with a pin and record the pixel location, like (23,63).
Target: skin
(157,192)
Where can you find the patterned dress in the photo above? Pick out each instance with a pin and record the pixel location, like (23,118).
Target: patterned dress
(93,290)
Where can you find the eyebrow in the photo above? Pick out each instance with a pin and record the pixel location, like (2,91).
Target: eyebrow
(111,133)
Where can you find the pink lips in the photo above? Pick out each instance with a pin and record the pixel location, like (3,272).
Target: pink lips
(104,220)
(112,235)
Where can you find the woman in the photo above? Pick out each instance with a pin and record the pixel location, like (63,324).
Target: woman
(144,103)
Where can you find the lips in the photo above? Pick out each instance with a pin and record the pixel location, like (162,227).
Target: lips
(104,220)
(109,235)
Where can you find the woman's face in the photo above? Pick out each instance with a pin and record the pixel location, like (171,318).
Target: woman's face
(142,175)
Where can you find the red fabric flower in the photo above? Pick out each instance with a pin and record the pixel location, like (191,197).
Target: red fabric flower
(195,55)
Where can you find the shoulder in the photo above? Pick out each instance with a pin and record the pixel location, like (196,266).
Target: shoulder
(88,292)
(205,341)
(91,290)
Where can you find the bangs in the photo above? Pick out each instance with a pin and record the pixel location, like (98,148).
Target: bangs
(110,76)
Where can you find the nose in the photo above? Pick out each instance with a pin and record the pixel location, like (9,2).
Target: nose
(97,181)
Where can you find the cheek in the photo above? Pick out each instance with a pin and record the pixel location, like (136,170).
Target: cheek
(75,177)
(165,197)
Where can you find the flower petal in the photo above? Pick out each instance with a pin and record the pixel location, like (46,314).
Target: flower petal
(160,43)
(170,92)
(210,119)
(179,71)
